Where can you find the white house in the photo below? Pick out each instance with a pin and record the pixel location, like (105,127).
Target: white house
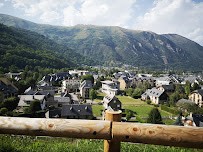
(110,87)
(70,85)
(26,99)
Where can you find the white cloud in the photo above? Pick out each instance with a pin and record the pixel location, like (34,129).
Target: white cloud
(72,12)
(99,12)
(183,17)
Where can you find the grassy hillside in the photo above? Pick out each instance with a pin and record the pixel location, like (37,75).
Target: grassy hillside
(48,144)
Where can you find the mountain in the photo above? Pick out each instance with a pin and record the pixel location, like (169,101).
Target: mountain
(19,47)
(108,44)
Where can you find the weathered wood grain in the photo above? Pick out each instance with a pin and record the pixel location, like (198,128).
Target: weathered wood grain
(158,134)
(90,129)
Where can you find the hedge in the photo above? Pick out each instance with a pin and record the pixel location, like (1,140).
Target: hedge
(173,111)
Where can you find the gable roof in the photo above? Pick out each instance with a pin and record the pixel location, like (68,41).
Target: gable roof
(30,91)
(76,110)
(200,91)
(167,87)
(198,119)
(24,98)
(7,82)
(109,98)
(86,84)
(153,92)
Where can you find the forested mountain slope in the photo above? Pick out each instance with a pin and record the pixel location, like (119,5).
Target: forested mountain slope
(106,44)
(19,47)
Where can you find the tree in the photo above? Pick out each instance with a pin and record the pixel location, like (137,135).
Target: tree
(93,94)
(174,98)
(34,106)
(10,103)
(154,117)
(178,121)
(187,90)
(88,77)
(137,93)
(195,86)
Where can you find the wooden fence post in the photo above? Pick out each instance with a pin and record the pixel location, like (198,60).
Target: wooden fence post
(112,145)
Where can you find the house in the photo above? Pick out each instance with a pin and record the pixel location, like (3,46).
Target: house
(56,113)
(191,79)
(195,120)
(43,85)
(110,87)
(77,111)
(85,88)
(156,96)
(78,72)
(167,88)
(62,100)
(49,95)
(15,76)
(70,85)
(125,82)
(112,102)
(141,80)
(26,99)
(7,89)
(163,81)
(55,78)
(197,97)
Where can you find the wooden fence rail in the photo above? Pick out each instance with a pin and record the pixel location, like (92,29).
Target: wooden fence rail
(96,129)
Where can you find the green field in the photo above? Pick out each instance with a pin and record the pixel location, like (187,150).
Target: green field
(49,144)
(143,111)
(97,110)
(126,100)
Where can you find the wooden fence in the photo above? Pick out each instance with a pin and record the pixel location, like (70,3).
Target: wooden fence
(112,132)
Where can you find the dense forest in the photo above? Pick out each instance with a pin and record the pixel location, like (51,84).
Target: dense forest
(19,47)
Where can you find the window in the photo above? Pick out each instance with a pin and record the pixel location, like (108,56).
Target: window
(118,106)
(114,101)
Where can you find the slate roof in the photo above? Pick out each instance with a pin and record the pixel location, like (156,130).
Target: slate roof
(126,79)
(56,113)
(153,92)
(76,109)
(200,91)
(198,119)
(7,83)
(30,91)
(62,99)
(167,87)
(109,98)
(24,98)
(86,84)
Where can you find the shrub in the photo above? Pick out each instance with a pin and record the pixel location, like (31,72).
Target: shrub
(148,101)
(154,116)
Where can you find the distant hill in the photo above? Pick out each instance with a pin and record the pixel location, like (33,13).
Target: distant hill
(107,44)
(19,47)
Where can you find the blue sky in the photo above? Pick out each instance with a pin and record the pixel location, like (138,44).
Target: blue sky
(183,17)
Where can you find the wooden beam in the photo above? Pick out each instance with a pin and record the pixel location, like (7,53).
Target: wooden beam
(169,135)
(112,145)
(90,129)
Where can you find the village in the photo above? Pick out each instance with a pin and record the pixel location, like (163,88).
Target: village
(83,94)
